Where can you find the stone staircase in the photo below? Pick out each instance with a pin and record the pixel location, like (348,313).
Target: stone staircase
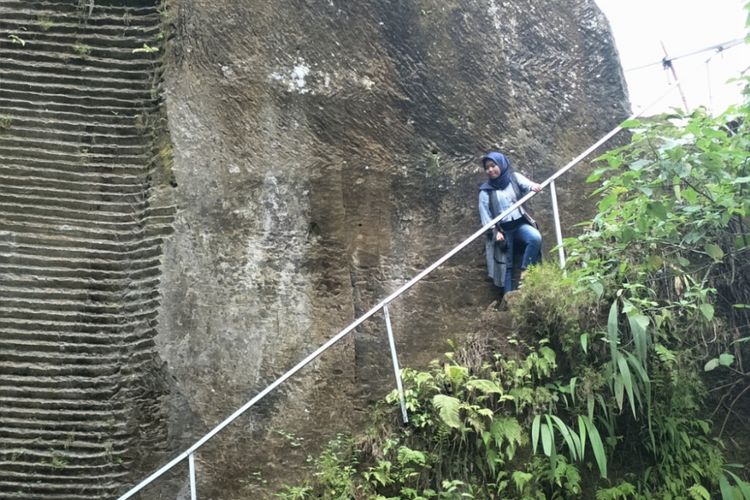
(84,189)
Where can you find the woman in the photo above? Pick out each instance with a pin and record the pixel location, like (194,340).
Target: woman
(503,188)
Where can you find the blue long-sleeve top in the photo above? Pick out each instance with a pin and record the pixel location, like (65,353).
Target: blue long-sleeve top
(504,198)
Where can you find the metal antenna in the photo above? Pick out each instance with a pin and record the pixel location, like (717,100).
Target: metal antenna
(667,64)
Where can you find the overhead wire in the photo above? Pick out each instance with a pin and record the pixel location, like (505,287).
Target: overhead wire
(667,61)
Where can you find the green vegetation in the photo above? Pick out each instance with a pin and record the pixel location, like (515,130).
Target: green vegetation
(82,49)
(15,39)
(148,49)
(45,22)
(5,123)
(625,377)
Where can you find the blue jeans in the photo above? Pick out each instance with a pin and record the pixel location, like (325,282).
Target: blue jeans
(529,237)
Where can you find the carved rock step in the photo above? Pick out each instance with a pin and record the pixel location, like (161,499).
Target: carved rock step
(129,162)
(62,476)
(43,464)
(29,283)
(43,260)
(54,75)
(55,460)
(87,440)
(80,153)
(123,97)
(15,175)
(64,232)
(135,129)
(80,139)
(76,203)
(77,169)
(33,32)
(120,232)
(7,312)
(91,56)
(45,239)
(77,102)
(128,330)
(23,204)
(84,16)
(125,307)
(122,229)
(82,136)
(45,108)
(110,349)
(34,369)
(61,480)
(18,244)
(126,325)
(45,66)
(49,423)
(63,405)
(13,53)
(101,492)
(87,193)
(40,213)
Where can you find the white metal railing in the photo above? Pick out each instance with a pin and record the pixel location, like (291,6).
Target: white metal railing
(383,304)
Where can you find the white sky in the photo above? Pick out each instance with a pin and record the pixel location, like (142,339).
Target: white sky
(639,27)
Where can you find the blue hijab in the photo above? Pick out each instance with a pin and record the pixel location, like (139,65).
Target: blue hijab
(503,180)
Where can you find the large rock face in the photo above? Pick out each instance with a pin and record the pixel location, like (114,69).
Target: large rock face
(325,152)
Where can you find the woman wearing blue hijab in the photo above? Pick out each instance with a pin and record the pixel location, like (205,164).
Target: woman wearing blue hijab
(503,188)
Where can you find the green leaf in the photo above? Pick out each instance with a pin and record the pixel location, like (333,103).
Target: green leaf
(448,409)
(597,447)
(638,327)
(707,310)
(726,359)
(619,391)
(572,388)
(632,123)
(698,492)
(638,164)
(613,331)
(607,202)
(622,363)
(743,486)
(566,436)
(521,479)
(585,342)
(582,434)
(657,210)
(690,195)
(546,440)
(485,386)
(714,251)
(535,432)
(727,493)
(597,288)
(711,365)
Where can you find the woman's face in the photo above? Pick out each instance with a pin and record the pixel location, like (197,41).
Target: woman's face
(492,169)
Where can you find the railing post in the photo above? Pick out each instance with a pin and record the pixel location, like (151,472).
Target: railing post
(396,369)
(558,230)
(191,466)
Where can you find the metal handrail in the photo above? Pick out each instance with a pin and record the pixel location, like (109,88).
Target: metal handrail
(189,453)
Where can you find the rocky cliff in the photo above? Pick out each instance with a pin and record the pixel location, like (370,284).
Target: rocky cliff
(325,152)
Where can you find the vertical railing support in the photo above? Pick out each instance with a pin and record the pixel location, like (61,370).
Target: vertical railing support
(558,230)
(191,466)
(396,369)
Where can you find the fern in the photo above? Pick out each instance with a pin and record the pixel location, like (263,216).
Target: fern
(448,409)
